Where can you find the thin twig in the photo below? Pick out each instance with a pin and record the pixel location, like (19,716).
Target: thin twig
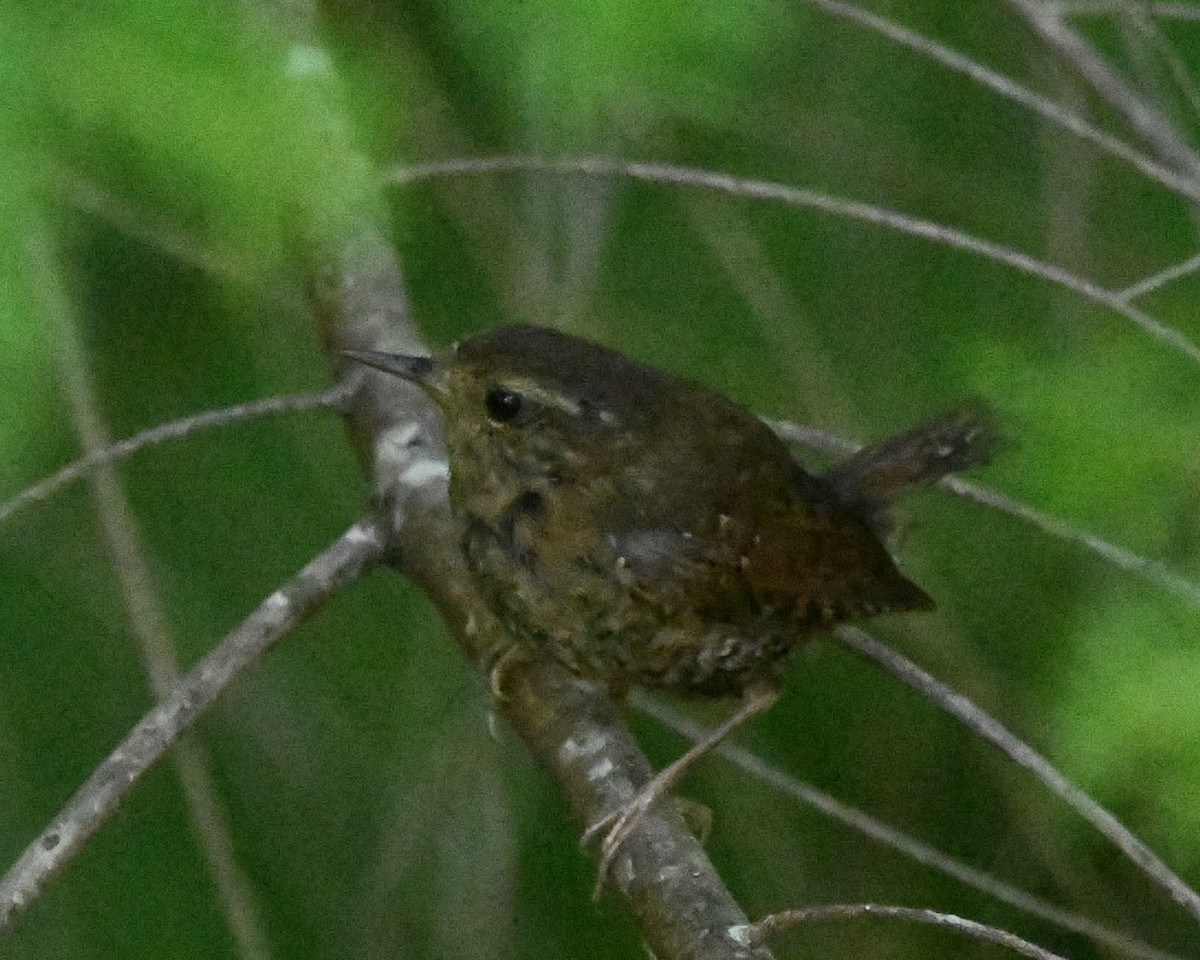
(815,200)
(208,420)
(1158,280)
(1006,87)
(991,730)
(1174,11)
(340,563)
(813,438)
(904,843)
(1151,570)
(1105,8)
(1156,128)
(787,919)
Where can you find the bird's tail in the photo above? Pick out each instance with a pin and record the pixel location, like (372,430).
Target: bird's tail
(871,480)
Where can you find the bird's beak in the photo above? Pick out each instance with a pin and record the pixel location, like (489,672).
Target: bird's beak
(425,372)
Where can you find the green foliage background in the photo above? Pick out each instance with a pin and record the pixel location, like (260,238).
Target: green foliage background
(155,156)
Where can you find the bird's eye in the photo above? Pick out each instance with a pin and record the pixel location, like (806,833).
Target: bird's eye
(502,404)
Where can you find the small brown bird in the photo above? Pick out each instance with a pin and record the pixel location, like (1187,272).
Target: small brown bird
(644,530)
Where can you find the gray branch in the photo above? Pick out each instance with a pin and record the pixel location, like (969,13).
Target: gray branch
(92,805)
(570,725)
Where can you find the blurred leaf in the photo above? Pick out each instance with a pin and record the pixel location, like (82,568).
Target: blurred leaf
(1133,680)
(573,75)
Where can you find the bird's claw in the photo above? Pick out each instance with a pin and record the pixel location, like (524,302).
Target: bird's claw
(620,824)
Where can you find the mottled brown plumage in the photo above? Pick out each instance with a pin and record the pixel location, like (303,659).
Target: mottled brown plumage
(644,530)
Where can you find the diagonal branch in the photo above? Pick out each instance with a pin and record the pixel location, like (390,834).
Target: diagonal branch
(570,725)
(92,805)
(1156,128)
(150,625)
(1005,86)
(991,730)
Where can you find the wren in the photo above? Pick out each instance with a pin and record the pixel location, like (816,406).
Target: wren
(644,530)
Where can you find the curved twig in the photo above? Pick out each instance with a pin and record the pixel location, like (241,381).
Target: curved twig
(995,733)
(209,419)
(787,919)
(904,843)
(827,203)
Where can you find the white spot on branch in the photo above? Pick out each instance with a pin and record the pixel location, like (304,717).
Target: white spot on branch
(422,472)
(574,748)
